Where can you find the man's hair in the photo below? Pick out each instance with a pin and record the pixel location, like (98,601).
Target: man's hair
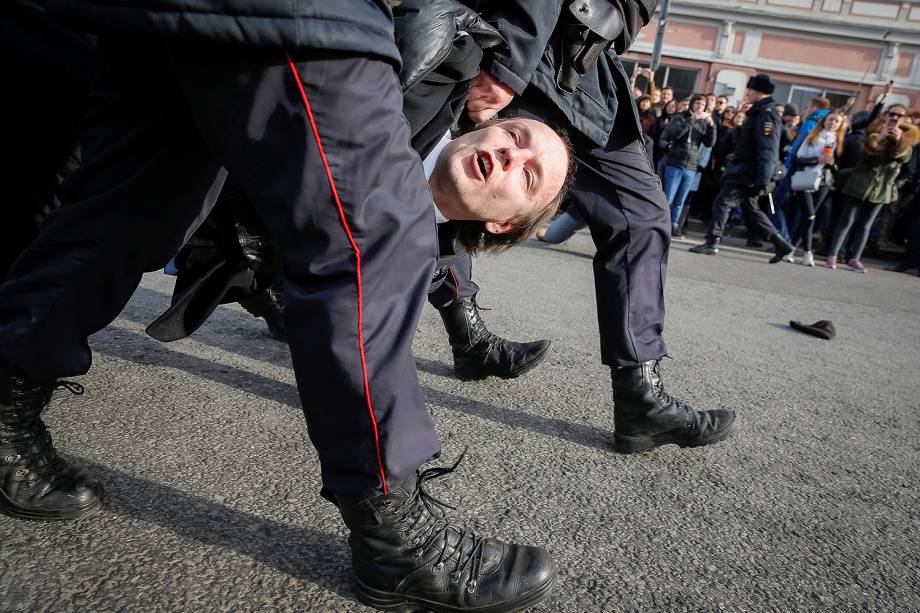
(821,103)
(696,97)
(669,88)
(723,96)
(474,237)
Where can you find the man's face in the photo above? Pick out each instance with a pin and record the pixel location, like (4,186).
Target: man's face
(667,94)
(721,103)
(698,106)
(656,96)
(710,103)
(752,96)
(499,173)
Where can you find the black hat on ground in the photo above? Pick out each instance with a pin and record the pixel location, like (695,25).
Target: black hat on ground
(822,329)
(762,83)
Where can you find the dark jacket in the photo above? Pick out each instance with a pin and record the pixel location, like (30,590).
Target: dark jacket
(755,158)
(683,138)
(359,26)
(529,26)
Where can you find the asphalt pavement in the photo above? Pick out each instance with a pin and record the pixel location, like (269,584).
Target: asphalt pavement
(213,501)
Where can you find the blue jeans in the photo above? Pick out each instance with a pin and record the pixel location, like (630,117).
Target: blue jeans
(808,203)
(677,184)
(563,227)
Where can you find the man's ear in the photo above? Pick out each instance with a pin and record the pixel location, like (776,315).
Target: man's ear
(498,227)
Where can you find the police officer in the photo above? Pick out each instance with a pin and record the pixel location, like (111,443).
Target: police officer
(290,99)
(750,173)
(562,67)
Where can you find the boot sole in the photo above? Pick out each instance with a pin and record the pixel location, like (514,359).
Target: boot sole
(479,376)
(639,444)
(404,603)
(8,507)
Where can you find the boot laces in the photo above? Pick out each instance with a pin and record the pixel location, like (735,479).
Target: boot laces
(425,519)
(478,332)
(32,440)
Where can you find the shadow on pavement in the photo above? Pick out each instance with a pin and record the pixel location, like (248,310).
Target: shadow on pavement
(292,550)
(547,426)
(145,351)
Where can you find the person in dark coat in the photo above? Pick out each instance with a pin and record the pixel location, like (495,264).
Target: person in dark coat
(289,99)
(750,173)
(561,66)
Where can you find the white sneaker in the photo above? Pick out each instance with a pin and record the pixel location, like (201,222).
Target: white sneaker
(808,259)
(789,257)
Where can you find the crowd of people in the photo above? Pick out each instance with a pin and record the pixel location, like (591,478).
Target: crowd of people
(846,177)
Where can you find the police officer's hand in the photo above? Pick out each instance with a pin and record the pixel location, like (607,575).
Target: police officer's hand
(487,96)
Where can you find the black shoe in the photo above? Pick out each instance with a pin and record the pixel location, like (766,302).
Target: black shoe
(269,305)
(408,556)
(675,231)
(479,353)
(34,482)
(646,417)
(780,249)
(710,247)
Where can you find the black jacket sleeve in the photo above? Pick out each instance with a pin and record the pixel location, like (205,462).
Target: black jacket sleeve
(527,26)
(766,131)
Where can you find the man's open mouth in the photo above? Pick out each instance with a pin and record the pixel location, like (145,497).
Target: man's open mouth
(484,165)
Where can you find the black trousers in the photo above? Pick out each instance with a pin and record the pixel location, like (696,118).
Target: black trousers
(728,198)
(619,195)
(48,69)
(321,148)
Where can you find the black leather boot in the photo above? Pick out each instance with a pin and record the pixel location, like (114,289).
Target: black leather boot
(710,247)
(408,556)
(34,482)
(479,353)
(780,248)
(646,417)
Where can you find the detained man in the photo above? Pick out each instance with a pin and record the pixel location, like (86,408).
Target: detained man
(496,185)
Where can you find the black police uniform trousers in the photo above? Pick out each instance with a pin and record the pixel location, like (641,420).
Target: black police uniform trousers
(51,67)
(619,195)
(728,198)
(320,146)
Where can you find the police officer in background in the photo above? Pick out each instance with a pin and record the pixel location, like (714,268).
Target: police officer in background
(562,67)
(750,173)
(290,99)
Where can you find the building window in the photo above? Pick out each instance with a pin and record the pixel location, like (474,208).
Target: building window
(800,95)
(681,80)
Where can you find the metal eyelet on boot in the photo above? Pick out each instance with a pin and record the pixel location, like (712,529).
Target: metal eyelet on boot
(471,586)
(455,578)
(12,459)
(437,567)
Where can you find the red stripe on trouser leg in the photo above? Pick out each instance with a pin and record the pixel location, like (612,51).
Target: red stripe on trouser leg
(354,246)
(456,283)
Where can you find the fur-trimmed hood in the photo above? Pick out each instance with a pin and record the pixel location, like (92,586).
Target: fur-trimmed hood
(876,144)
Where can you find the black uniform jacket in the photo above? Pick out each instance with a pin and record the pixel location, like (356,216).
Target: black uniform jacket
(360,26)
(530,58)
(755,157)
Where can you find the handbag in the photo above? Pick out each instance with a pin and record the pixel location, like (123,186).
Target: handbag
(808,180)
